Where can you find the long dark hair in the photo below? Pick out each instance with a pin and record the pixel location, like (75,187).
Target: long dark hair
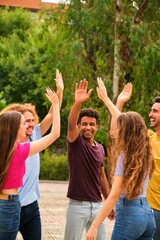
(9,125)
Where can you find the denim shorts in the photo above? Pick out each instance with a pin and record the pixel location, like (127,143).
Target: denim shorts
(134,220)
(9,217)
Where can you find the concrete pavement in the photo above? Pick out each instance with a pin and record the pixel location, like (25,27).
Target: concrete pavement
(53,203)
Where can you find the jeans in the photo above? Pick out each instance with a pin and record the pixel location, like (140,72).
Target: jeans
(134,220)
(9,217)
(80,215)
(157,219)
(30,222)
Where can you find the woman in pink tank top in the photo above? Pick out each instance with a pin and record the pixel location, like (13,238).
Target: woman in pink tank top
(13,154)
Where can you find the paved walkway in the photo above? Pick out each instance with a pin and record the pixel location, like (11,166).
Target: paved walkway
(53,203)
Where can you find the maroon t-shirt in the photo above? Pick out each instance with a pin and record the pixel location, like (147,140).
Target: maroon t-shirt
(85,162)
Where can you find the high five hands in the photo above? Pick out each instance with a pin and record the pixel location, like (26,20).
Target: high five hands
(123,97)
(81,93)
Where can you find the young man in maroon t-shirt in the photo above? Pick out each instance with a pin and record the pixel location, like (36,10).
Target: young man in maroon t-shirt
(87,179)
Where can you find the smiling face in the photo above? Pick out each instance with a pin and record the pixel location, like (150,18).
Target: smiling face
(154,116)
(88,127)
(29,119)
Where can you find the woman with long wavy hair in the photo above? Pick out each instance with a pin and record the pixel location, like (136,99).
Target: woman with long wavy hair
(13,154)
(131,171)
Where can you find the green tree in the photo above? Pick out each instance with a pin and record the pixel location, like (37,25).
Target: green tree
(18,65)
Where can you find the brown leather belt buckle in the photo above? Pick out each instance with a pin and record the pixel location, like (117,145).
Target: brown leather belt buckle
(4,196)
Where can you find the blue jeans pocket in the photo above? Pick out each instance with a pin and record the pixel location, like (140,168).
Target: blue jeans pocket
(134,220)
(9,216)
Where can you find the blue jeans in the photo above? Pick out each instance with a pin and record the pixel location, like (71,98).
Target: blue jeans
(80,215)
(30,222)
(157,219)
(134,220)
(9,217)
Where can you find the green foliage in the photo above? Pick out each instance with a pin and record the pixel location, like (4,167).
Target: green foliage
(14,22)
(106,168)
(53,167)
(18,66)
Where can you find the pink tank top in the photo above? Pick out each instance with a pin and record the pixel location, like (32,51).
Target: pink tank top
(17,168)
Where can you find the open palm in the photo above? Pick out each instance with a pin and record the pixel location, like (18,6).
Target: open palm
(126,93)
(101,89)
(81,93)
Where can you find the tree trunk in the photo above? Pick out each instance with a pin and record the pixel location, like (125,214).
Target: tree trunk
(116,69)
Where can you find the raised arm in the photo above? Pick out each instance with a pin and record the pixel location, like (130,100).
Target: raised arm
(44,142)
(102,94)
(123,97)
(60,86)
(81,95)
(47,121)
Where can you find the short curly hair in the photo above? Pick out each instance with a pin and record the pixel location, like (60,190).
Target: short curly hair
(22,108)
(88,112)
